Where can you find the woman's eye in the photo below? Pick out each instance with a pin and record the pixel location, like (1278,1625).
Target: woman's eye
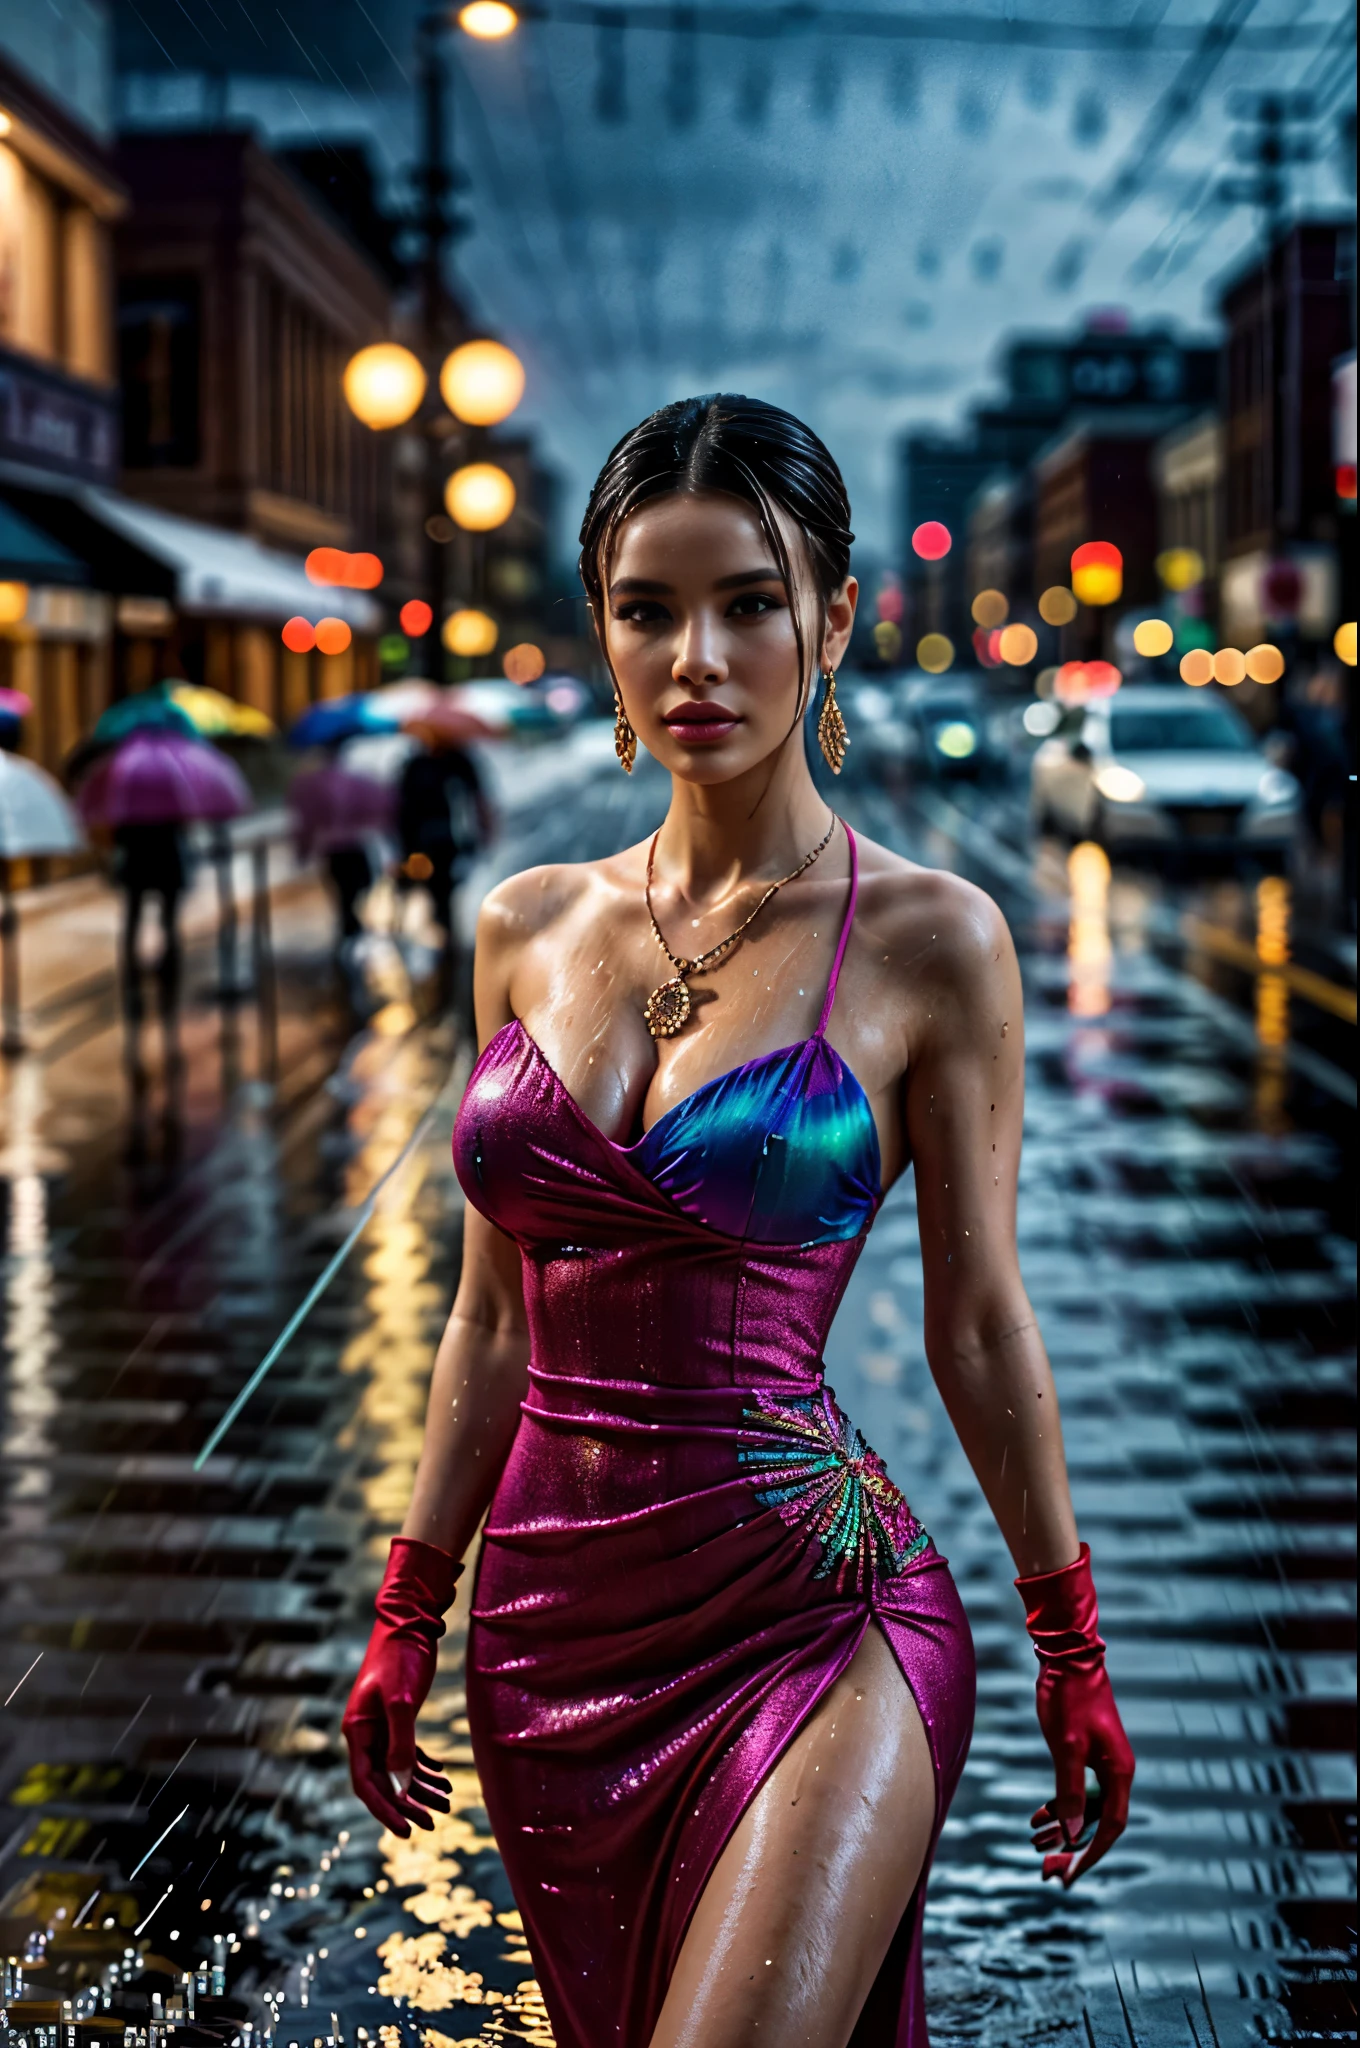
(751,604)
(641,612)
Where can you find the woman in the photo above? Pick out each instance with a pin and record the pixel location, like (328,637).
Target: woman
(719,1680)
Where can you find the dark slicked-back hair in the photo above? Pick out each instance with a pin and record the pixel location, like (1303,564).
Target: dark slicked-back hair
(747,449)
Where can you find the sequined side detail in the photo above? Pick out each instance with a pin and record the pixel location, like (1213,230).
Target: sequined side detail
(814,1468)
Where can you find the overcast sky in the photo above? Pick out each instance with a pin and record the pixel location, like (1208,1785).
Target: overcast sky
(844,223)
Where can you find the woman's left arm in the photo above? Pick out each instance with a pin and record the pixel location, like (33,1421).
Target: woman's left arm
(964,1112)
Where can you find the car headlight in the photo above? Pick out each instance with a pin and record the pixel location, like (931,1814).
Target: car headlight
(1120,785)
(1276,787)
(956,740)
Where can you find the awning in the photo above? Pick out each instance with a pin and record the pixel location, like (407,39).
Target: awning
(133,550)
(221,573)
(30,556)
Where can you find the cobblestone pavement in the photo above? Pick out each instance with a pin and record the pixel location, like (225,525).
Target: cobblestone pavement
(179,1643)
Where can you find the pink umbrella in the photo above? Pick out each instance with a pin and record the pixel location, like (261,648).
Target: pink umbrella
(163,778)
(334,807)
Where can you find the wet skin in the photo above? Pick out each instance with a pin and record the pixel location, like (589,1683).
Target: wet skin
(700,634)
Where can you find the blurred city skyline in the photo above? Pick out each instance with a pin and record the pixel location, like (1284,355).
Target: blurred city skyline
(845,212)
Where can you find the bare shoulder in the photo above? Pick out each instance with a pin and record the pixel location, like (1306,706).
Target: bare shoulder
(524,906)
(937,929)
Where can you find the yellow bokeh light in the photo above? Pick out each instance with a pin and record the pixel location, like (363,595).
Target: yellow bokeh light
(1057,606)
(488,20)
(935,653)
(1343,641)
(384,385)
(1230,667)
(887,640)
(1180,568)
(1152,637)
(470,632)
(480,497)
(482,382)
(1265,663)
(1197,667)
(989,608)
(13,603)
(1019,645)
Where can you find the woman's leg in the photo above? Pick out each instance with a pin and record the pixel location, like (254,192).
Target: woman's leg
(797,1916)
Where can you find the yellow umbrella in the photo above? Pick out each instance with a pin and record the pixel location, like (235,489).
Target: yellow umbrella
(217,716)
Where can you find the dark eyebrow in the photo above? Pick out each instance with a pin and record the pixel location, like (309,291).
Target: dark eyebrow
(745,576)
(643,586)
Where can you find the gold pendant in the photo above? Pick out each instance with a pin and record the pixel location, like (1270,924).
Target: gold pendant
(667,1009)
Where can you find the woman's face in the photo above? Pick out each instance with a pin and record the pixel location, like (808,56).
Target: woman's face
(700,634)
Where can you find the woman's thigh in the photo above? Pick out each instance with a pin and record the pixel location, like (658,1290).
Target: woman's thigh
(797,1916)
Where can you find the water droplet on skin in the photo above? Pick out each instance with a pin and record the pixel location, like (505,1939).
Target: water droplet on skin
(1004,1029)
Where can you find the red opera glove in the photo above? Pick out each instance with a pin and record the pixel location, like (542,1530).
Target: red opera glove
(395,1780)
(1078,1716)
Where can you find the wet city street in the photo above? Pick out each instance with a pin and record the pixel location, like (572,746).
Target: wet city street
(177,1643)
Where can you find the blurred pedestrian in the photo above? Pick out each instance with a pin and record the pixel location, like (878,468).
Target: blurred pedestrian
(151,860)
(443,821)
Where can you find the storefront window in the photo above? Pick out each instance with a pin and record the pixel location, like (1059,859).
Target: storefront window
(158,349)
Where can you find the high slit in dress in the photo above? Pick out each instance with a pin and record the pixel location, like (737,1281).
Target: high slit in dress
(689,1538)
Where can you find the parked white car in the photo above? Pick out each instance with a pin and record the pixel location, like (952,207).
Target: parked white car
(1162,767)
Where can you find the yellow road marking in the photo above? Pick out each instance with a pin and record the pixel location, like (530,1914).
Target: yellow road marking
(1314,988)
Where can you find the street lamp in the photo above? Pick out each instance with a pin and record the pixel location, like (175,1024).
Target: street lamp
(489,20)
(480,497)
(384,385)
(482,382)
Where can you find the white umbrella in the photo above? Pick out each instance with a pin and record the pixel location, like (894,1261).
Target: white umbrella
(35,816)
(381,755)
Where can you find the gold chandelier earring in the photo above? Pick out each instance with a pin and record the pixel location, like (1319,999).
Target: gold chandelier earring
(625,739)
(832,737)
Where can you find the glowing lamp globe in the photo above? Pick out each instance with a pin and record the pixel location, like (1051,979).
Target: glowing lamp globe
(935,653)
(470,632)
(416,618)
(932,541)
(325,566)
(1265,663)
(363,572)
(1197,667)
(482,382)
(299,636)
(1019,645)
(332,636)
(523,663)
(13,603)
(1152,637)
(480,497)
(1343,643)
(1098,573)
(490,21)
(1057,606)
(384,385)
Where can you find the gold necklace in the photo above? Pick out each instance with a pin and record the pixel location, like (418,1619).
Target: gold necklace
(667,1008)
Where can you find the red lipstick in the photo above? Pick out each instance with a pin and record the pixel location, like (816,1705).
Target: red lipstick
(699,722)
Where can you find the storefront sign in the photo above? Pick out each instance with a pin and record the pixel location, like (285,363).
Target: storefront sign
(54,422)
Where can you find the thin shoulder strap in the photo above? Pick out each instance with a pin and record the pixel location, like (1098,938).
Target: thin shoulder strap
(825,1017)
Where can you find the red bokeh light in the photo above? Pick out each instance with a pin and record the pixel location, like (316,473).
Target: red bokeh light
(415,618)
(1097,554)
(332,636)
(1345,480)
(299,636)
(1102,678)
(363,572)
(326,565)
(932,541)
(986,645)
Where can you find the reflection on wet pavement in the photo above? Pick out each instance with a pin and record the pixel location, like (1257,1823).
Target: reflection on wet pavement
(180,1848)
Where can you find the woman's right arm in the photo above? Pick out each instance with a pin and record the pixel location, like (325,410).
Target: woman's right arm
(480,1377)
